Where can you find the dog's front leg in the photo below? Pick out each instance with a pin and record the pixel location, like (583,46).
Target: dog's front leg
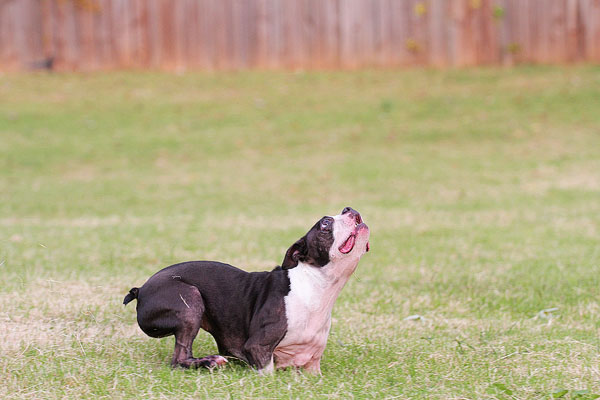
(268,369)
(259,356)
(313,366)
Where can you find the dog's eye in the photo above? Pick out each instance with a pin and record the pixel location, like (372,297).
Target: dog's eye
(325,224)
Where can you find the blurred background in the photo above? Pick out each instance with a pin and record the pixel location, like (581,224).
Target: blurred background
(298,34)
(135,134)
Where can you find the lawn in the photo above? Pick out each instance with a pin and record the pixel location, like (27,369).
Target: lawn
(481,188)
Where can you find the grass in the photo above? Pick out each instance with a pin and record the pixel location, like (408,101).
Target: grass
(481,188)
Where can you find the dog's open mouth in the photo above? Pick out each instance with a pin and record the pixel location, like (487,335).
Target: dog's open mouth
(348,245)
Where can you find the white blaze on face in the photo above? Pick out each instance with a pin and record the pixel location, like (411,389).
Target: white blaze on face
(349,242)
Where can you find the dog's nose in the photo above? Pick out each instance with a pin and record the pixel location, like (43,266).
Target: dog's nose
(355,214)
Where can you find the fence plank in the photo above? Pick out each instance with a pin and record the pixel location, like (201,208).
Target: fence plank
(87,49)
(236,34)
(590,11)
(8,21)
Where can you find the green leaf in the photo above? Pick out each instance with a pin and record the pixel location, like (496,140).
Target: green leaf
(579,393)
(498,12)
(499,387)
(584,394)
(559,393)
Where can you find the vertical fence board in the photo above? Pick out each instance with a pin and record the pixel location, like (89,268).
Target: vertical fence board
(206,40)
(269,34)
(251,13)
(47,22)
(346,50)
(503,11)
(590,10)
(135,33)
(595,33)
(179,34)
(573,32)
(519,17)
(241,29)
(490,39)
(66,35)
(311,16)
(87,51)
(219,19)
(154,33)
(393,52)
(438,35)
(8,36)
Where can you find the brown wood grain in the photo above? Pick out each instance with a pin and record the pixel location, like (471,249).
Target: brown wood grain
(295,34)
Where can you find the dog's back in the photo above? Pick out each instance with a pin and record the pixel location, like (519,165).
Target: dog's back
(278,317)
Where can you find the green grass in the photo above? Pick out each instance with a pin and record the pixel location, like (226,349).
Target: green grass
(481,188)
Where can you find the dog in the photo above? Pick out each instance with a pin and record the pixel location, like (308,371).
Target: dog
(270,319)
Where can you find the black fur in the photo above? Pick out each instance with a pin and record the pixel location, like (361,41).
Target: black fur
(312,248)
(243,311)
(133,294)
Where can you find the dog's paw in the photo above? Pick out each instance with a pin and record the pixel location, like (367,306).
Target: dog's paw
(211,362)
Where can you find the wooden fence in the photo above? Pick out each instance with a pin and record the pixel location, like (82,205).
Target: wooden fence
(238,34)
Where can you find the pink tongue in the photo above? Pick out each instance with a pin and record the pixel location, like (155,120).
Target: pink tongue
(348,246)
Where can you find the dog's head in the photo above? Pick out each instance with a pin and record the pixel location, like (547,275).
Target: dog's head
(331,239)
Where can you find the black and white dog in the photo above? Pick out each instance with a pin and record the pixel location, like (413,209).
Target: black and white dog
(269,319)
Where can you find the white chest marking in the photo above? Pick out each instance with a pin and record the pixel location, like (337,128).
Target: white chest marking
(308,310)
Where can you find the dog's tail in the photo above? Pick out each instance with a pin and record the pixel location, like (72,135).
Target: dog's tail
(133,294)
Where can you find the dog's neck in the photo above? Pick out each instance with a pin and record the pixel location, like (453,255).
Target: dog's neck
(321,286)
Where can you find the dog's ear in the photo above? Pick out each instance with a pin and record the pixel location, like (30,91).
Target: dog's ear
(294,254)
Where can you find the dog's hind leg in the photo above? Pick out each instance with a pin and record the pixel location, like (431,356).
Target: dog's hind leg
(184,337)
(175,308)
(189,321)
(188,326)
